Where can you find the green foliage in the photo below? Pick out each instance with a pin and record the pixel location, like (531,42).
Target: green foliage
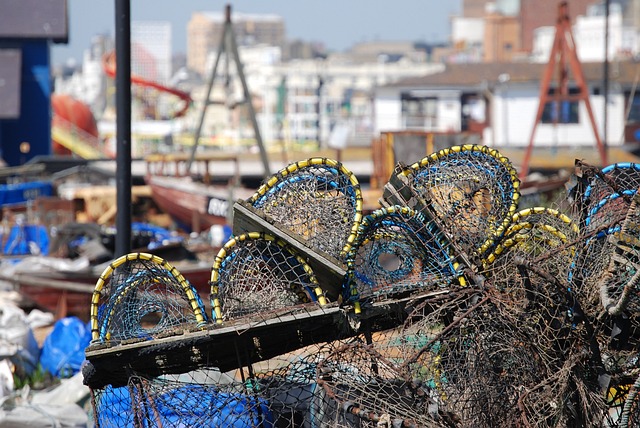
(38,379)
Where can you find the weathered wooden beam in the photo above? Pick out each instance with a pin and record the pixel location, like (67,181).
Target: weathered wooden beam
(329,271)
(240,343)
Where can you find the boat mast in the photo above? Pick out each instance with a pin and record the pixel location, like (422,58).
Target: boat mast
(228,46)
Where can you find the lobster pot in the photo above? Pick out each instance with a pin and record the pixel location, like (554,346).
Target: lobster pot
(140,296)
(255,274)
(473,189)
(486,357)
(537,238)
(611,183)
(318,199)
(397,252)
(361,388)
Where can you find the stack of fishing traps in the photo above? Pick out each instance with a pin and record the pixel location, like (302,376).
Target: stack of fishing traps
(452,305)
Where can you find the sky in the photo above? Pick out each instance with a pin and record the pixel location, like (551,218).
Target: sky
(338,24)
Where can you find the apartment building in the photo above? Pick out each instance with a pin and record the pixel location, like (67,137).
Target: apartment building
(204,31)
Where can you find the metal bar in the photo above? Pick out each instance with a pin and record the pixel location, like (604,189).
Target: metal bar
(542,96)
(605,89)
(123,127)
(581,83)
(247,97)
(221,49)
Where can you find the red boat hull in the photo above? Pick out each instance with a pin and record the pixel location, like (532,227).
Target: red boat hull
(195,206)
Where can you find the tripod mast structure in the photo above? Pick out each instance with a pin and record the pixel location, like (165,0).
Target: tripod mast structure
(229,47)
(563,55)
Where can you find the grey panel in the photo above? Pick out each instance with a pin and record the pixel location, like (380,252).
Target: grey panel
(409,148)
(28,19)
(10,64)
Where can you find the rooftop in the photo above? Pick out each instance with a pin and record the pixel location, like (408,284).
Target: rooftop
(478,74)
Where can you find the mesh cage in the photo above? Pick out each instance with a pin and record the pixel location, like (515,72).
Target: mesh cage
(619,283)
(318,199)
(281,392)
(613,180)
(363,389)
(630,416)
(493,364)
(606,265)
(544,238)
(538,328)
(473,189)
(140,296)
(398,251)
(256,273)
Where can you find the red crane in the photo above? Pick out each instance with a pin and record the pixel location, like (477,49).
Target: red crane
(563,55)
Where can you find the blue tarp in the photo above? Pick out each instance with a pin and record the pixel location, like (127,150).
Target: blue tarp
(184,406)
(23,192)
(27,239)
(63,349)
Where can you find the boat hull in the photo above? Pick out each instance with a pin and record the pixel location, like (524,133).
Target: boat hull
(195,206)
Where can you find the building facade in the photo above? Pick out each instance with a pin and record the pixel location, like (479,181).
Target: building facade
(204,32)
(151,50)
(300,102)
(499,102)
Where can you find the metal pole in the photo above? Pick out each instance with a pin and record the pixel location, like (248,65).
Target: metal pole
(221,49)
(606,75)
(123,127)
(247,96)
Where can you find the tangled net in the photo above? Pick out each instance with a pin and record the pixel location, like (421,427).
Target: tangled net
(318,199)
(457,308)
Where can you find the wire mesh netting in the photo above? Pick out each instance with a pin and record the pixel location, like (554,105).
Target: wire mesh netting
(494,365)
(397,251)
(366,389)
(256,273)
(540,237)
(630,415)
(318,199)
(537,329)
(141,296)
(473,189)
(618,283)
(602,209)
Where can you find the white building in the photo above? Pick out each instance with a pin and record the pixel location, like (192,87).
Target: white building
(88,83)
(301,101)
(151,50)
(589,32)
(499,102)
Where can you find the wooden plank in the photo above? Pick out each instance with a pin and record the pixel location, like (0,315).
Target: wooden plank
(226,348)
(233,345)
(329,271)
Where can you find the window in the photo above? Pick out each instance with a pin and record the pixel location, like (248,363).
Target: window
(634,109)
(561,111)
(419,112)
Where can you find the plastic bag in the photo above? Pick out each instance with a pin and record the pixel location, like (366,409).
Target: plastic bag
(17,341)
(63,349)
